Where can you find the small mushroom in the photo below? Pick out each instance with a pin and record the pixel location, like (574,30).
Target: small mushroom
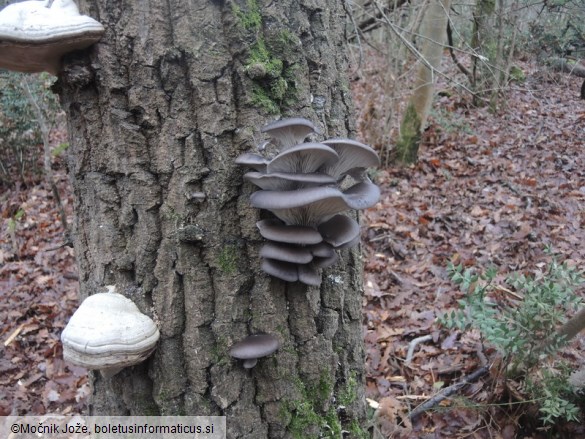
(108,333)
(253,347)
(326,261)
(323,255)
(286,271)
(293,272)
(34,37)
(290,132)
(309,275)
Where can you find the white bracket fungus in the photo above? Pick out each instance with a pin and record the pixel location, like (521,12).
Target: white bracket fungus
(108,333)
(34,35)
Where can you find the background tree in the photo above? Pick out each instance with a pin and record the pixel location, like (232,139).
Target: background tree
(433,32)
(172,94)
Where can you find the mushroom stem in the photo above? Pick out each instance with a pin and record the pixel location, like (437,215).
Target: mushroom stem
(249,364)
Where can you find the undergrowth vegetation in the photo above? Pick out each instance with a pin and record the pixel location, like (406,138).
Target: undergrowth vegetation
(521,320)
(20,132)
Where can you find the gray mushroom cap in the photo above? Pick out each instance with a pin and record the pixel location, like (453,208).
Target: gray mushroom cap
(34,37)
(323,255)
(287,181)
(289,132)
(352,154)
(314,205)
(339,230)
(286,253)
(286,271)
(252,160)
(290,272)
(309,275)
(302,159)
(298,254)
(326,261)
(253,347)
(322,250)
(274,230)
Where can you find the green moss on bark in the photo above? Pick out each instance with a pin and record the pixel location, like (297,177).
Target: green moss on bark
(406,151)
(251,19)
(273,78)
(228,259)
(306,415)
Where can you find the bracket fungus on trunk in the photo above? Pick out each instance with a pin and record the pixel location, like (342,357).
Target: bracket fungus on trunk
(108,333)
(305,187)
(35,34)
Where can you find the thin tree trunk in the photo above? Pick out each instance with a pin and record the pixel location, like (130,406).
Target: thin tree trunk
(173,93)
(434,28)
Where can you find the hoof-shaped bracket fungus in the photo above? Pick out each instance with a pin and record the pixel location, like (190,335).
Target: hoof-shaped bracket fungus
(253,347)
(304,185)
(108,333)
(34,37)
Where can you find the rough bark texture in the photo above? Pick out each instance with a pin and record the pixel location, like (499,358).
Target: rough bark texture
(157,113)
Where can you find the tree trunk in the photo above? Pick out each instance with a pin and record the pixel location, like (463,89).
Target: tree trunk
(157,114)
(434,33)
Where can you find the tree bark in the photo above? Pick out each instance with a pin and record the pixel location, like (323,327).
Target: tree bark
(157,113)
(433,30)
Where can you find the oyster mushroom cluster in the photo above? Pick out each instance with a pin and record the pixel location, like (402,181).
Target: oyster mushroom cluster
(307,186)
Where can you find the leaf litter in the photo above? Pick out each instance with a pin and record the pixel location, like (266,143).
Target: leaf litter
(489,189)
(38,293)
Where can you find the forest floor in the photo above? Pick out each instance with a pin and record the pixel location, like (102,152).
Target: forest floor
(490,189)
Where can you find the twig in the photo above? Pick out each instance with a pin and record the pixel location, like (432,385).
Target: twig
(413,397)
(413,344)
(510,292)
(14,334)
(349,12)
(452,52)
(448,391)
(395,29)
(67,243)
